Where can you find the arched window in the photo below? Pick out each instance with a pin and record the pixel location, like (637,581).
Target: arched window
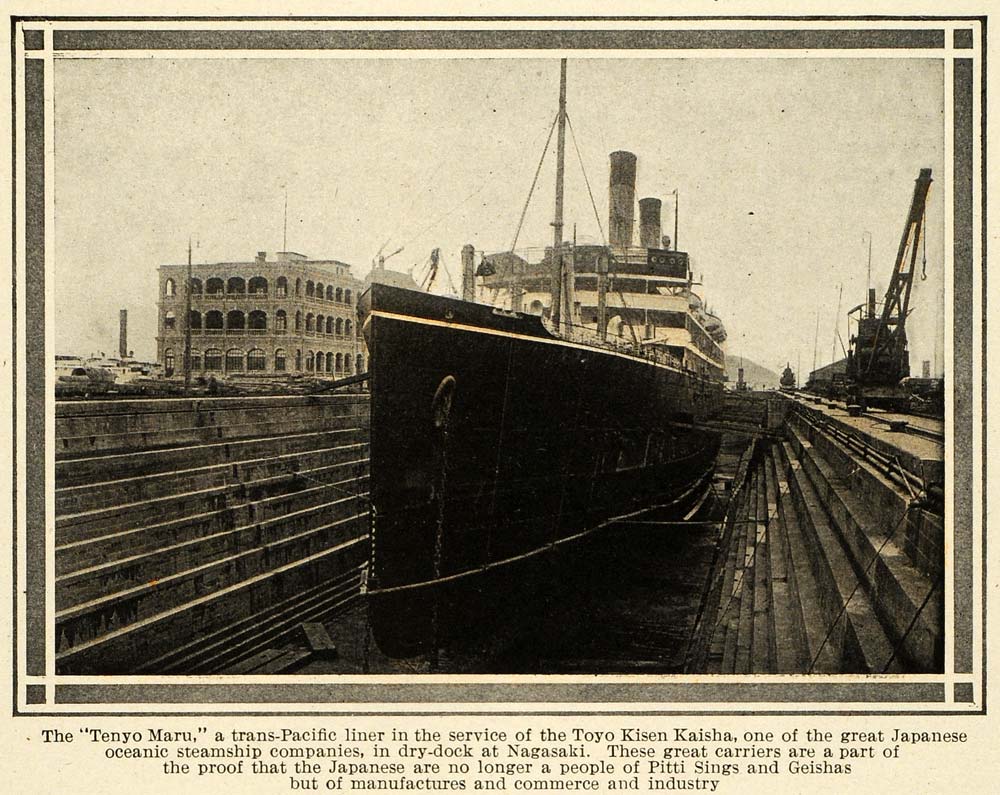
(235,320)
(310,289)
(347,328)
(257,286)
(319,361)
(320,323)
(340,326)
(310,363)
(279,360)
(339,295)
(281,287)
(236,285)
(298,323)
(234,360)
(169,288)
(195,360)
(213,360)
(329,292)
(213,321)
(329,362)
(298,286)
(536,307)
(347,296)
(196,287)
(347,364)
(194,320)
(298,361)
(280,320)
(170,320)
(360,362)
(339,362)
(257,320)
(319,290)
(256,360)
(215,286)
(310,322)
(168,361)
(329,324)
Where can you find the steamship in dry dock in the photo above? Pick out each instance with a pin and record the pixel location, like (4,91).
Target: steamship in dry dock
(503,433)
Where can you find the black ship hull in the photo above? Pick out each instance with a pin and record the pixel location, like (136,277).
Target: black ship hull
(495,444)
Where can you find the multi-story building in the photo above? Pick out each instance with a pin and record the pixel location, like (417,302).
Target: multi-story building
(280,314)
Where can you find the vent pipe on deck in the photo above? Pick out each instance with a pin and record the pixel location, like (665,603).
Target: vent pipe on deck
(468,272)
(649,222)
(621,198)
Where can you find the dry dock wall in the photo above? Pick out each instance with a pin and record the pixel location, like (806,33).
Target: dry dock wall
(191,533)
(824,564)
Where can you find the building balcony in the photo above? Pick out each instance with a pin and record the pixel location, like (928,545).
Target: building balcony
(256,332)
(215,331)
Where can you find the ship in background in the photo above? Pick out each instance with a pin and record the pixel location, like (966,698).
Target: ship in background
(503,433)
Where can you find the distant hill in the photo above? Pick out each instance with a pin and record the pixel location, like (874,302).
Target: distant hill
(755,375)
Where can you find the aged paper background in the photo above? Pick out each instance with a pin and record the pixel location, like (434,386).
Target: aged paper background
(33,765)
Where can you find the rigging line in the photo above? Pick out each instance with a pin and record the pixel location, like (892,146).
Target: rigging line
(534,182)
(843,609)
(586,181)
(334,486)
(444,215)
(913,621)
(625,316)
(747,564)
(739,500)
(923,235)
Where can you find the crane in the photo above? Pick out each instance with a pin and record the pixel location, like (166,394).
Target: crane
(879,358)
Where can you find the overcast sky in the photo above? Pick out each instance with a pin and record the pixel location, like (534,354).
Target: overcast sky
(781,165)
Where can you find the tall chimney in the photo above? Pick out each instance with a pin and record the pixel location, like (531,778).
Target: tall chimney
(468,272)
(123,333)
(926,371)
(871,302)
(621,199)
(649,222)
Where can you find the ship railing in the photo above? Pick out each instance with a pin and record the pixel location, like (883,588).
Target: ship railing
(586,335)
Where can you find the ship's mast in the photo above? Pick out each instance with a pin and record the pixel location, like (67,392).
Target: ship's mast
(557,224)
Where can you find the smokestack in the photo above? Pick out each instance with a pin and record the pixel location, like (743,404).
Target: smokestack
(123,333)
(871,302)
(649,222)
(468,273)
(927,368)
(621,198)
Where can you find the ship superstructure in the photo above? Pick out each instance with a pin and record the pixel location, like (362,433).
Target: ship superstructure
(638,296)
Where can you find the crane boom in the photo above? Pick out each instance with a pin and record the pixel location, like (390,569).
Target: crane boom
(879,357)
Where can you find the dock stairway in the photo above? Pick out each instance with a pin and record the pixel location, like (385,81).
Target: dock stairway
(824,565)
(191,534)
